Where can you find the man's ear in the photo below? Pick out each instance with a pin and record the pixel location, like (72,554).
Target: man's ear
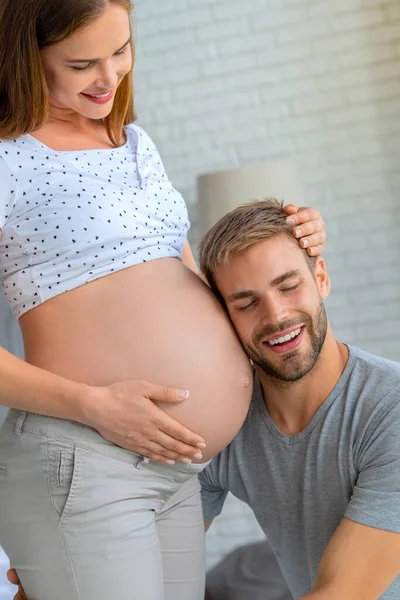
(322,278)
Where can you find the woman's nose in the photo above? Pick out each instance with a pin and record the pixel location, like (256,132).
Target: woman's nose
(108,77)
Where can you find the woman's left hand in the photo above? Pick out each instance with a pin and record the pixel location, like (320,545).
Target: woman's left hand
(308,228)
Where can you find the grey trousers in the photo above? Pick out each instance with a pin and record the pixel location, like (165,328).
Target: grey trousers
(82,519)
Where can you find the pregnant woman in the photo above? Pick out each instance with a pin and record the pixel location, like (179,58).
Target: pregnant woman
(127,351)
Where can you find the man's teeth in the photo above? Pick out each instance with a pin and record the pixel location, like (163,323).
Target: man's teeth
(285,338)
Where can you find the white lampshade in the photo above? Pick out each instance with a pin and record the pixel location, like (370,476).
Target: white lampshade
(220,192)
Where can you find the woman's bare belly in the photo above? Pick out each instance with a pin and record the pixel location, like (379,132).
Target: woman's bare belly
(158,322)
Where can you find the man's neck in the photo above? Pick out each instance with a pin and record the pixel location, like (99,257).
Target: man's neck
(292,405)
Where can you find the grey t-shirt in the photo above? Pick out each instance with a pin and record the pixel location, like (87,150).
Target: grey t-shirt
(345,463)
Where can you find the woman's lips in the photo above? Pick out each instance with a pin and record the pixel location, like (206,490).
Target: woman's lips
(99,99)
(287,346)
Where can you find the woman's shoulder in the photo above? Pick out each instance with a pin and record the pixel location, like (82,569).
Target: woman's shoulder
(143,138)
(13,152)
(8,152)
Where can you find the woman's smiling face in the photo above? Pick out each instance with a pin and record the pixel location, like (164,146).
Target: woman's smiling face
(84,71)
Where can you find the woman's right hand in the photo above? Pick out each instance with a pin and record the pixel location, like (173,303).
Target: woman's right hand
(125,414)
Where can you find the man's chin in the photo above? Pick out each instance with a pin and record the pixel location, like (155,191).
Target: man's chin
(288,368)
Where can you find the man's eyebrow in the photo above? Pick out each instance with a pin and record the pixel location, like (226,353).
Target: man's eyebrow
(285,276)
(88,60)
(278,280)
(240,295)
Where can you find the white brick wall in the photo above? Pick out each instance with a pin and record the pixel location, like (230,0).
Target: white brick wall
(222,83)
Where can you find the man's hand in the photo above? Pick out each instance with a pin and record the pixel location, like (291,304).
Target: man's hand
(13,578)
(207,525)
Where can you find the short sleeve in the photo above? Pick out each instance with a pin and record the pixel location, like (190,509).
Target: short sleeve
(149,159)
(7,192)
(376,496)
(213,492)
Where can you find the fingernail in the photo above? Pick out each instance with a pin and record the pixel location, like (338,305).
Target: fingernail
(198,456)
(182,394)
(187,461)
(290,220)
(305,243)
(299,232)
(170,462)
(201,445)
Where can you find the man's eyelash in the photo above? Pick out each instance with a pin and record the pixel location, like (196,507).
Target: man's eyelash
(244,308)
(291,289)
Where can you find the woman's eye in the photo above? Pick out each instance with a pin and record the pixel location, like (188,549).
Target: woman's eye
(82,68)
(122,51)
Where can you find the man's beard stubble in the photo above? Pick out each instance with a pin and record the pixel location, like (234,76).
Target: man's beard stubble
(298,364)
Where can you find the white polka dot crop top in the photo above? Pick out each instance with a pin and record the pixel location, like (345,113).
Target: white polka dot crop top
(68,218)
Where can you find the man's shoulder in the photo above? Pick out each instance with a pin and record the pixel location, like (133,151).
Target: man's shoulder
(373,384)
(373,360)
(372,369)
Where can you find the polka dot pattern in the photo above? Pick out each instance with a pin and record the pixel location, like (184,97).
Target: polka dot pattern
(69,218)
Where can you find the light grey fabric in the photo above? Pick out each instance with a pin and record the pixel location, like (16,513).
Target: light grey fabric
(10,337)
(248,573)
(82,519)
(345,463)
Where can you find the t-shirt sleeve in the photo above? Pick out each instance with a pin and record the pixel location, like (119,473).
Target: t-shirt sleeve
(376,496)
(213,492)
(149,159)
(7,192)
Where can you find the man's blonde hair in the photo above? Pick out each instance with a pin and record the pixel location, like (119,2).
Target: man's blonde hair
(240,229)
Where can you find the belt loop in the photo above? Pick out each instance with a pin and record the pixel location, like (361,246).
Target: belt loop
(20,422)
(143,461)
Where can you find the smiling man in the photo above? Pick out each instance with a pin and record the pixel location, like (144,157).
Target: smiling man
(318,457)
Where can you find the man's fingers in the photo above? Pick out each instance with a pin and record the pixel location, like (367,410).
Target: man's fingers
(13,577)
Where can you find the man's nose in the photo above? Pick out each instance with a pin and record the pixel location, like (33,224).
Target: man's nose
(275,310)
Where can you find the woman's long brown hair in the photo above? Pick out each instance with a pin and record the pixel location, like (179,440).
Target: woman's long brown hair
(28,26)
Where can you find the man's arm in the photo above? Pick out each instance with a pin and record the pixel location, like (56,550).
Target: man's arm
(359,563)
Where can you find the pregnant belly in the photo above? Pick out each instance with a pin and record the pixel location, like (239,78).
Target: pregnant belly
(157,322)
